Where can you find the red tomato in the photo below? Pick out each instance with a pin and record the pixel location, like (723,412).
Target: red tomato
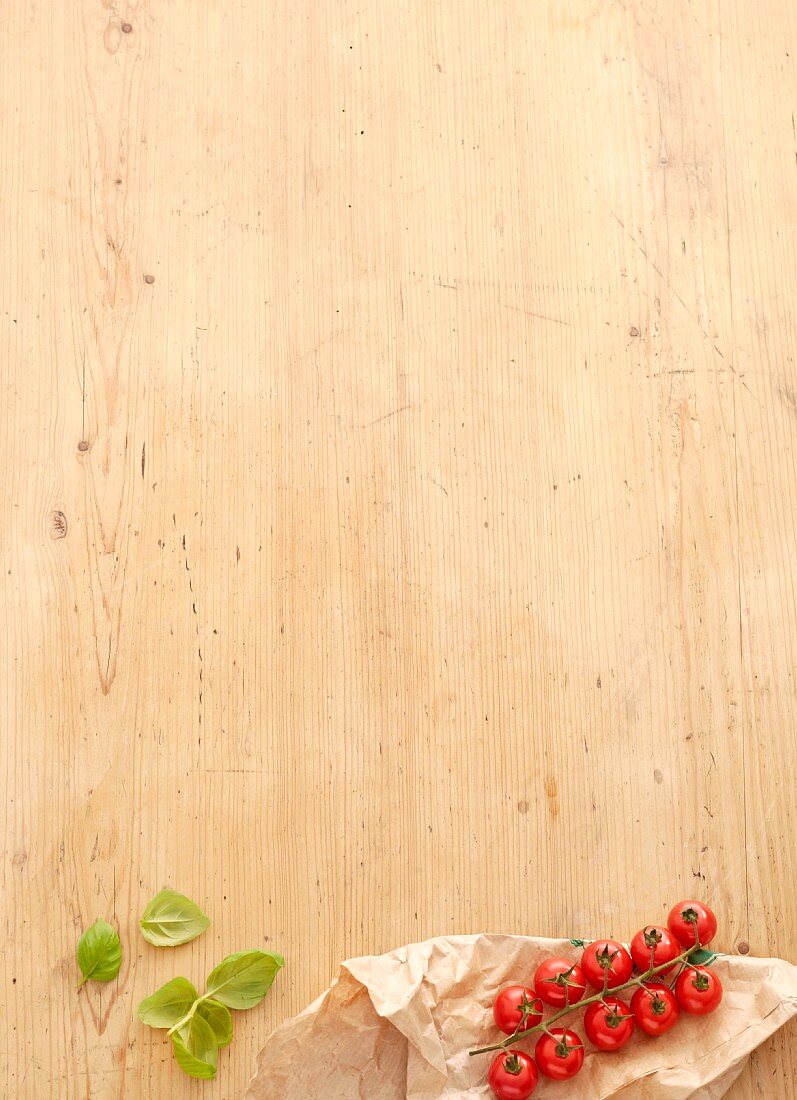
(688,917)
(657,942)
(606,957)
(609,1024)
(699,991)
(513,1075)
(559,1055)
(655,1008)
(559,982)
(517,1009)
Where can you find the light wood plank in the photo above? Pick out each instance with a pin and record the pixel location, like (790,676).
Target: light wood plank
(398,414)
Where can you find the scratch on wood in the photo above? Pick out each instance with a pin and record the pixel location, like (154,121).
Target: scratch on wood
(655,267)
(439,486)
(539,316)
(387,416)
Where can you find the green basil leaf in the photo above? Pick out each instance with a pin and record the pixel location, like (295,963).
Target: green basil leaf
(169,1004)
(171,919)
(99,953)
(242,980)
(703,957)
(196,1049)
(219,1018)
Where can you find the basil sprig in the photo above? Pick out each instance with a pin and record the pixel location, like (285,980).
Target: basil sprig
(199,1025)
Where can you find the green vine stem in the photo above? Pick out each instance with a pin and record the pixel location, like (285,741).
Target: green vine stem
(639,980)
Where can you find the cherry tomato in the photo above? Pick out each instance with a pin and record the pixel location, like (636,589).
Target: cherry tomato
(559,982)
(606,957)
(609,1024)
(657,942)
(699,991)
(688,917)
(513,1075)
(559,1055)
(517,1009)
(655,1008)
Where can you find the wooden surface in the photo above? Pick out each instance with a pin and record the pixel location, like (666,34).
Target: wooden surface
(399,419)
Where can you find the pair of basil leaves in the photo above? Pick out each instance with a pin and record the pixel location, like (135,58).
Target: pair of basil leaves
(197,1025)
(169,920)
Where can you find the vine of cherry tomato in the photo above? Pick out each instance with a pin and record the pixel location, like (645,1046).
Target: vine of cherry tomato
(607,966)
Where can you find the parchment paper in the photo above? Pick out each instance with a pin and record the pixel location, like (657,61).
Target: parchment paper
(399,1027)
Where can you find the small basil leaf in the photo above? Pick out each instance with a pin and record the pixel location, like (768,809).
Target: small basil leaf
(99,953)
(169,1004)
(703,957)
(219,1018)
(243,979)
(196,1049)
(171,919)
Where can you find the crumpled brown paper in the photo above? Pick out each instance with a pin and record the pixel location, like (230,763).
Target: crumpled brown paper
(399,1027)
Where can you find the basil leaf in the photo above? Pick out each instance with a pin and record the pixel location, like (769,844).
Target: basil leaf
(171,919)
(703,957)
(99,953)
(219,1018)
(196,1049)
(243,979)
(169,1004)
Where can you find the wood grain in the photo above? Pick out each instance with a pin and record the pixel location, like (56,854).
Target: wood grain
(399,413)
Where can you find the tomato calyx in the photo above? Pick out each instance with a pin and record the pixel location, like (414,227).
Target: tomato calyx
(562,1048)
(564,980)
(700,981)
(652,937)
(527,1008)
(606,957)
(658,1005)
(513,1065)
(613,1017)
